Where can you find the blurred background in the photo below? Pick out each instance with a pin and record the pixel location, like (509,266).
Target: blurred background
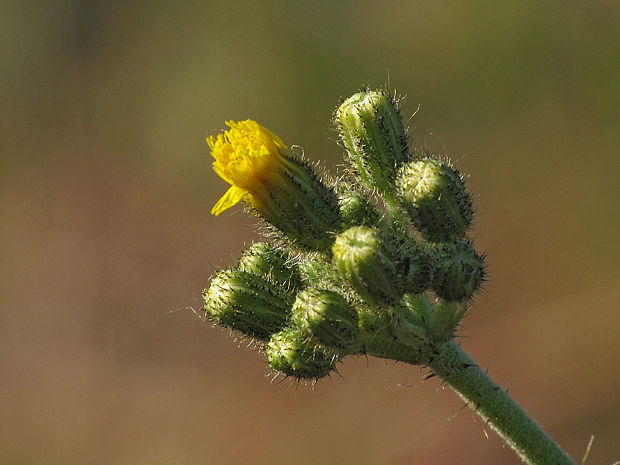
(106,239)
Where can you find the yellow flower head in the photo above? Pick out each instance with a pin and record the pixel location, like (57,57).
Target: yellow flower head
(249,157)
(277,183)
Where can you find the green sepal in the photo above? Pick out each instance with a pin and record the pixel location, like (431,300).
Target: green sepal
(458,271)
(445,319)
(327,316)
(294,354)
(373,133)
(248,303)
(434,195)
(419,307)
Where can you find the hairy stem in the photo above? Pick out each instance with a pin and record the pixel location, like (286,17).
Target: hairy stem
(495,406)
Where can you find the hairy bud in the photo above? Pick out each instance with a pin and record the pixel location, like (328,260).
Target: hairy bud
(367,260)
(434,195)
(458,272)
(327,316)
(417,267)
(294,354)
(356,209)
(247,303)
(372,131)
(265,260)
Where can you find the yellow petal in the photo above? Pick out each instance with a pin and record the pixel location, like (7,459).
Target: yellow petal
(230,198)
(222,172)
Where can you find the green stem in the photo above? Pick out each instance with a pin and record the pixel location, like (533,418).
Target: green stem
(472,384)
(496,407)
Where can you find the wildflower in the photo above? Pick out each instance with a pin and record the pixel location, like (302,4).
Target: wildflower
(276,183)
(247,157)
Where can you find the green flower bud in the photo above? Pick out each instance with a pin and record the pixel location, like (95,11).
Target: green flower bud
(248,303)
(327,316)
(416,267)
(458,272)
(372,131)
(356,209)
(294,354)
(367,260)
(263,259)
(434,195)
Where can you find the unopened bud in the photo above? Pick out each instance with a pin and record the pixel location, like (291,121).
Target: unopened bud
(327,316)
(372,131)
(263,259)
(294,354)
(458,272)
(416,267)
(434,195)
(367,260)
(356,209)
(247,303)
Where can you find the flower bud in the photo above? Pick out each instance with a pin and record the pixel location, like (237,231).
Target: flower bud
(248,303)
(276,183)
(327,316)
(317,271)
(416,267)
(294,354)
(367,260)
(263,259)
(372,131)
(458,271)
(435,197)
(355,208)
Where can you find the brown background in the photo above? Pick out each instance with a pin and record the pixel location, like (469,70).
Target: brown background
(106,240)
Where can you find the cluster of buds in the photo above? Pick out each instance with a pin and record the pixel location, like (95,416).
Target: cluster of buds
(378,263)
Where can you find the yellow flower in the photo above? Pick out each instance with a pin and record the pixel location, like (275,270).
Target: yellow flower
(250,158)
(279,186)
